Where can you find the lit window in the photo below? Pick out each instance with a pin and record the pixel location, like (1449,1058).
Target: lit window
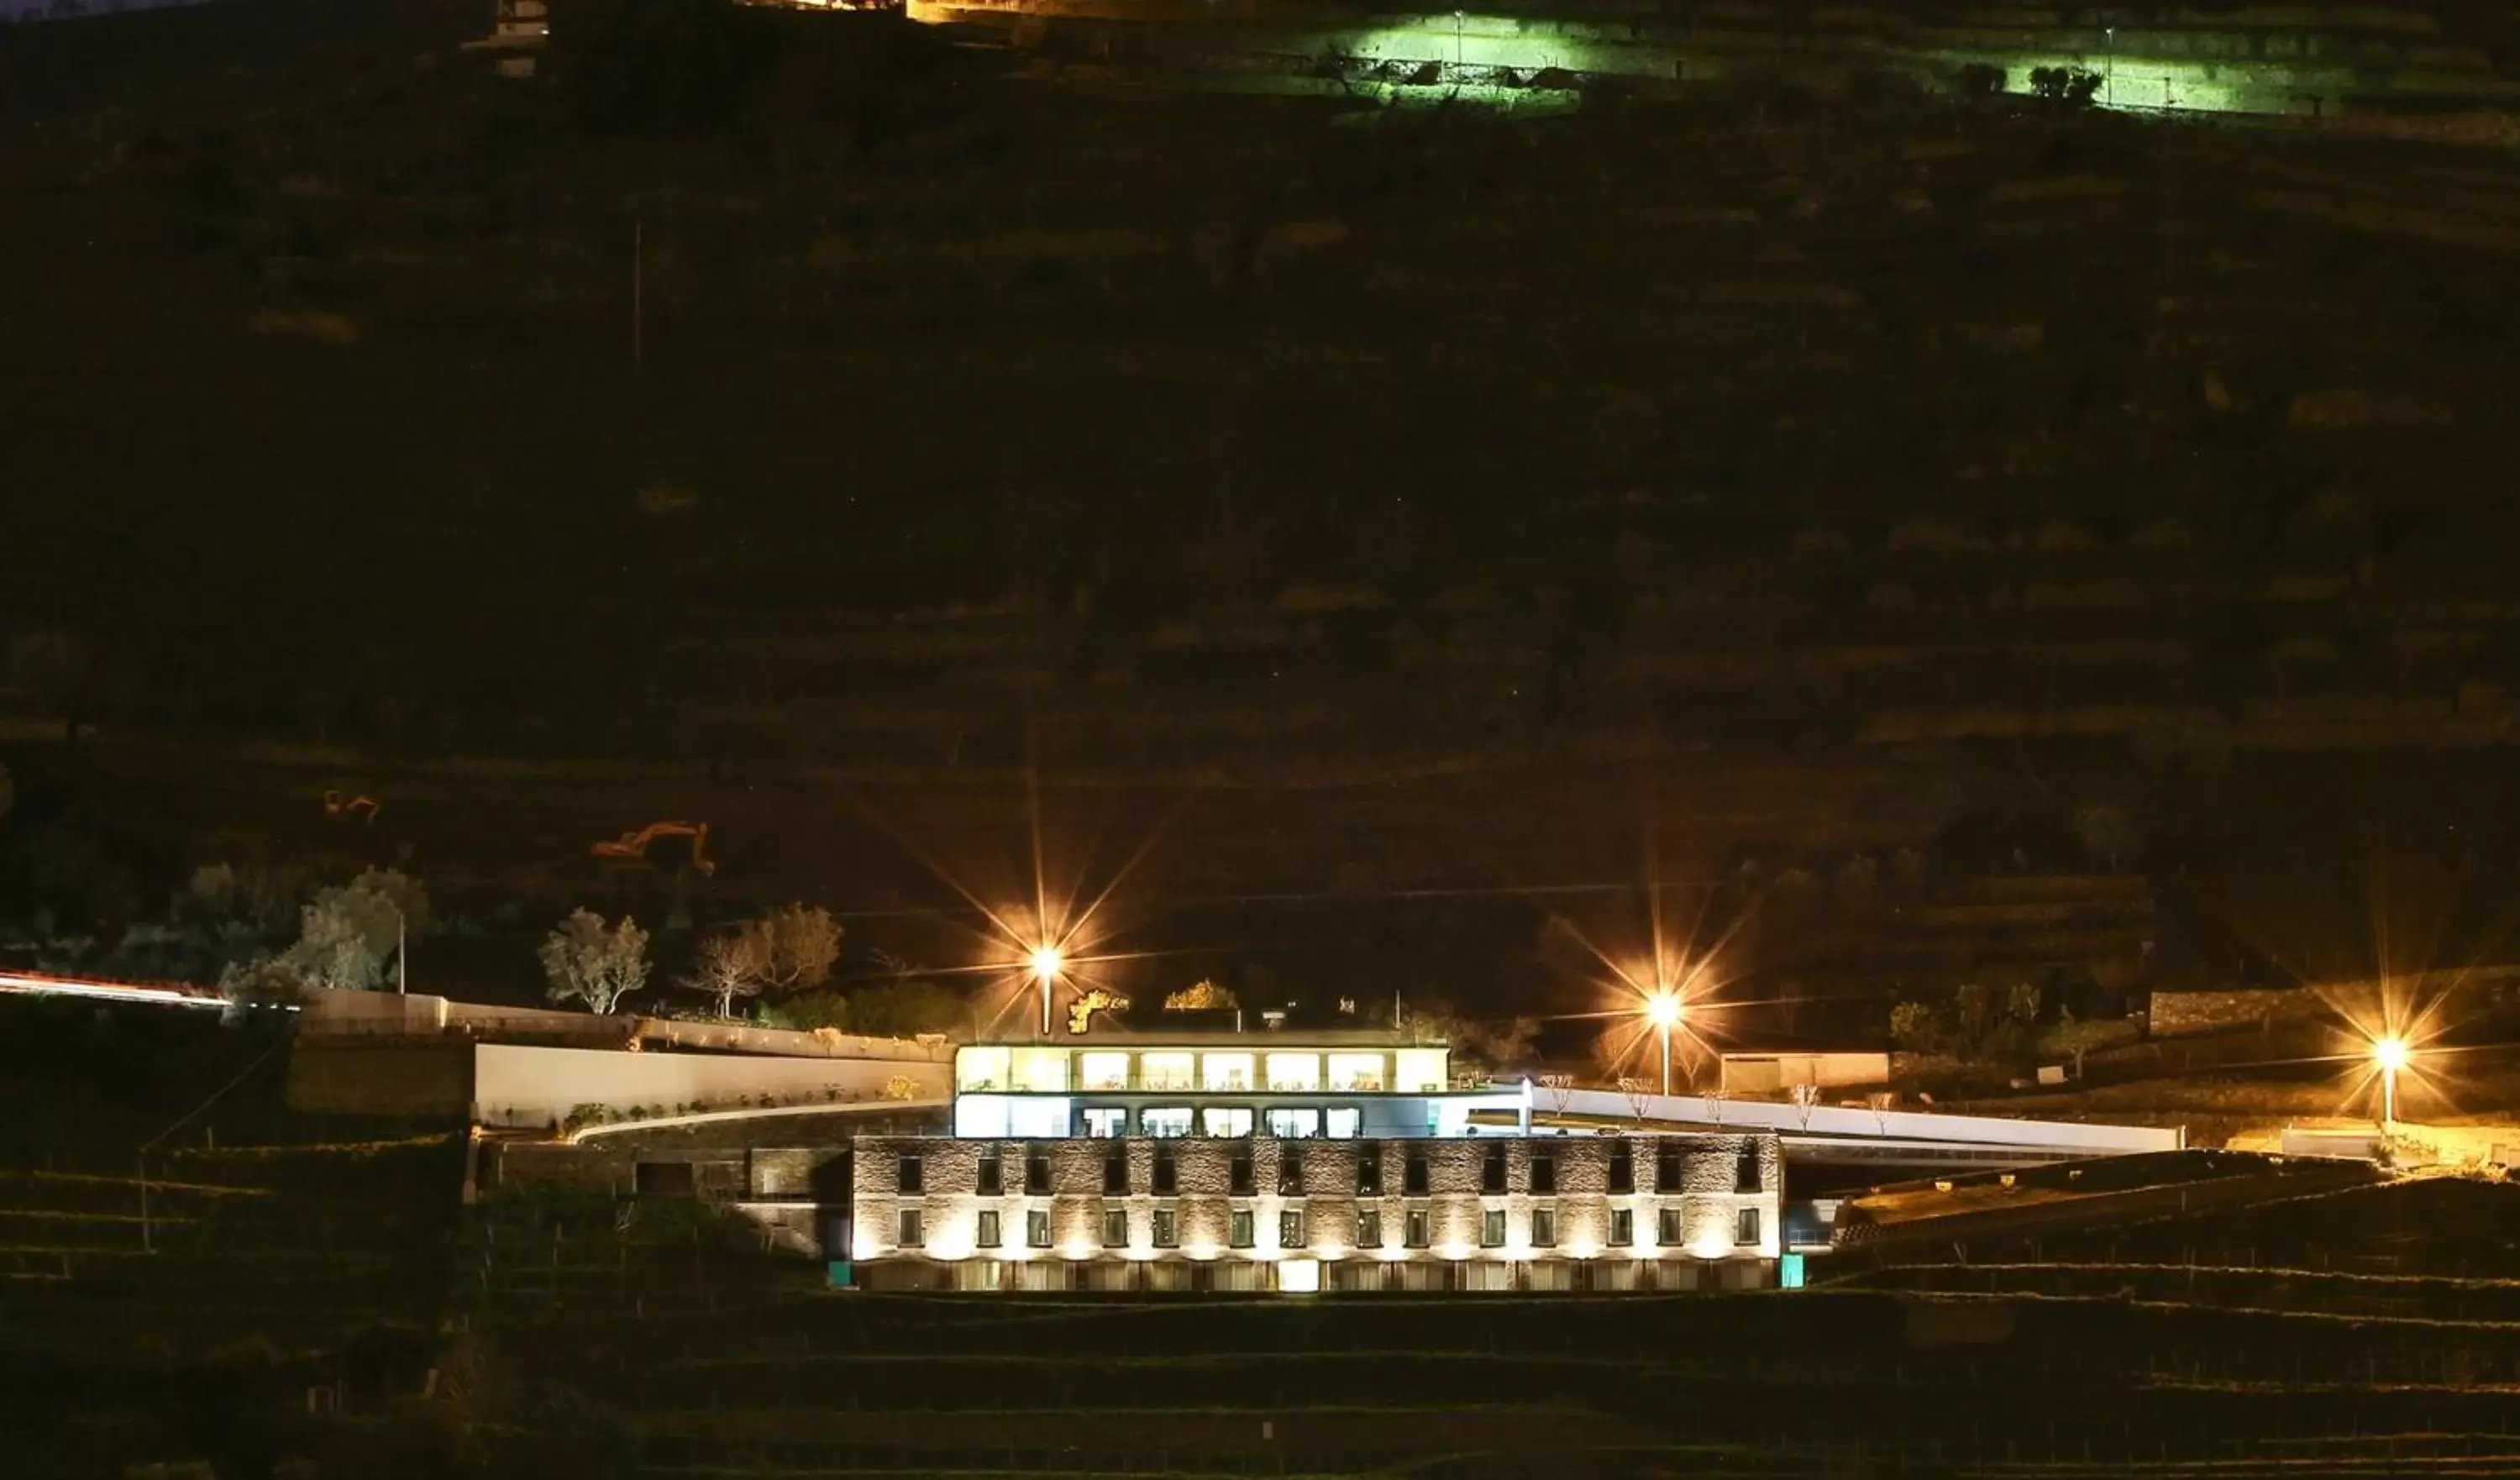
(911,1228)
(987,1237)
(1357,1072)
(1165,1121)
(1544,1227)
(1345,1122)
(1165,1071)
(1290,1229)
(981,1068)
(1492,1228)
(1230,1072)
(1745,1228)
(1666,1228)
(1037,1228)
(1237,1229)
(1103,1071)
(1294,1124)
(1167,1228)
(1623,1227)
(1226,1120)
(1418,1227)
(1420,1071)
(1115,1227)
(1296,1073)
(1369,1228)
(1103,1122)
(1042,1072)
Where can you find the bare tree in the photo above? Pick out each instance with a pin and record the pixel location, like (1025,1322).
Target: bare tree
(800,944)
(733,965)
(1490,1045)
(593,963)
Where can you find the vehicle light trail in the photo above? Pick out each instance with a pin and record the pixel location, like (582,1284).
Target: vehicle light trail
(161,994)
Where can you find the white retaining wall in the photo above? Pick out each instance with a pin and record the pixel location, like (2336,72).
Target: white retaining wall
(514,1083)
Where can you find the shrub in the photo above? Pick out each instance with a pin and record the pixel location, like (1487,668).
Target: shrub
(1912,1027)
(809,1011)
(2064,86)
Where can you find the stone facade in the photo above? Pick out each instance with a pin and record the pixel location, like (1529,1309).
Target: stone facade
(1481,1212)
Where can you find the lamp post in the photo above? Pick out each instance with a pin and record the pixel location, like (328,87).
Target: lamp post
(1047,963)
(1664,1010)
(2390,1054)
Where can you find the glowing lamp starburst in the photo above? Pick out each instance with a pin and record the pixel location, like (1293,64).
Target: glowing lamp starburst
(1048,963)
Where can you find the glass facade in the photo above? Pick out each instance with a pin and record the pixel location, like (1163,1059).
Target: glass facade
(1294,1073)
(1294,1124)
(1358,1072)
(1167,1072)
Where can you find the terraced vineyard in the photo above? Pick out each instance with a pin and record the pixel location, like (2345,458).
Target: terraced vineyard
(1783,1385)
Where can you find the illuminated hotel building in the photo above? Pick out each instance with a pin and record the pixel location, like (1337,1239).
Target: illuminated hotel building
(1293,1162)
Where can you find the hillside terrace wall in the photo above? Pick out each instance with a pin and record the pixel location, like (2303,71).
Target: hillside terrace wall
(2260,60)
(520,1085)
(530,1087)
(386,1015)
(2179,1013)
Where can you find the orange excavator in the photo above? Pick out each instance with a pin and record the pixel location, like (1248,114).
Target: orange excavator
(341,806)
(633,847)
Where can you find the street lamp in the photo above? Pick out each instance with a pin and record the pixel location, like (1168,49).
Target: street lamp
(2391,1054)
(1664,1010)
(1046,963)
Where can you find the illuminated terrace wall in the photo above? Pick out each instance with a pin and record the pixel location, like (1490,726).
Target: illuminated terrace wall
(2260,60)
